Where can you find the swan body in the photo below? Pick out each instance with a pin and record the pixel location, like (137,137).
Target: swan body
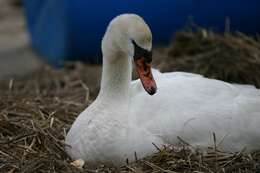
(124,121)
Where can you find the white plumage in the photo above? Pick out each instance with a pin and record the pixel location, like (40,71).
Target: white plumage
(124,119)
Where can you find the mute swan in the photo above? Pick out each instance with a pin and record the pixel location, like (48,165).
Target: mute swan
(124,119)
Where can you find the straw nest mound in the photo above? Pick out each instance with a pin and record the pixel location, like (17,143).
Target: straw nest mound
(37,110)
(230,57)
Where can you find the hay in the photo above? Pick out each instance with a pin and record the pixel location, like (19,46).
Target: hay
(35,114)
(37,110)
(231,57)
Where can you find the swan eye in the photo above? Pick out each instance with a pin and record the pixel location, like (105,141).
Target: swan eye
(141,52)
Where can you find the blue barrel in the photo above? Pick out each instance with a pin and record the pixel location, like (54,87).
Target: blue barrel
(73,29)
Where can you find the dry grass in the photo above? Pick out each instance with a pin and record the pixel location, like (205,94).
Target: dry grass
(37,110)
(232,57)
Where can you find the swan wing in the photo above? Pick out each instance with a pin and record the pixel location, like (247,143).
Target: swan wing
(194,107)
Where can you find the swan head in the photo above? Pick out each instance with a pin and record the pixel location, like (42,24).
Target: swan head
(129,35)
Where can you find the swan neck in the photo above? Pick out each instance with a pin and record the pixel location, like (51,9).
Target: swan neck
(116,78)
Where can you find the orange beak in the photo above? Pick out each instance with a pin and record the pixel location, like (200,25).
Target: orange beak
(145,74)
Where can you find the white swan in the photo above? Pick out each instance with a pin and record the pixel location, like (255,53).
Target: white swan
(125,120)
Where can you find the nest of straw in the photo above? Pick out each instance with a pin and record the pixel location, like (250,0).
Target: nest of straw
(37,110)
(231,57)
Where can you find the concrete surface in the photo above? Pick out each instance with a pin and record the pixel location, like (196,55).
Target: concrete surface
(16,55)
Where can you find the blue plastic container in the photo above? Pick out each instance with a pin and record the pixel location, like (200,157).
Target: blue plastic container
(73,29)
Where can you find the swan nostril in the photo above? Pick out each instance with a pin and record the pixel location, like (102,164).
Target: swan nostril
(152,90)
